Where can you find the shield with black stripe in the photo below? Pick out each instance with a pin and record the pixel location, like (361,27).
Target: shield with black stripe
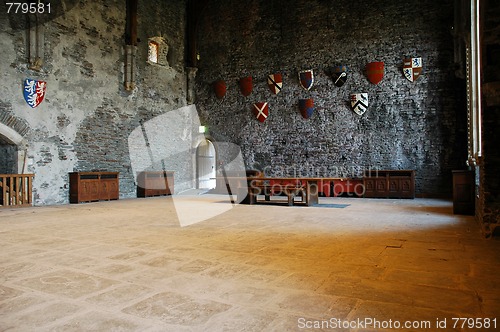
(375,71)
(412,67)
(220,88)
(306,107)
(339,75)
(246,85)
(359,102)
(275,83)
(261,111)
(306,78)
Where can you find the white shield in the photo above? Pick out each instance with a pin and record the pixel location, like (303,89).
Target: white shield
(359,102)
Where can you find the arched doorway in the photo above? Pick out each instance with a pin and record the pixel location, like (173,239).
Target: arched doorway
(205,165)
(11,156)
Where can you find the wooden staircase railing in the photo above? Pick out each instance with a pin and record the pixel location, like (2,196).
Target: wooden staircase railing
(16,190)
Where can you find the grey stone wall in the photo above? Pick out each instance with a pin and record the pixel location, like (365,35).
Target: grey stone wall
(419,125)
(86,118)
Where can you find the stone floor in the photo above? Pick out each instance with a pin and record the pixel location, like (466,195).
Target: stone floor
(347,264)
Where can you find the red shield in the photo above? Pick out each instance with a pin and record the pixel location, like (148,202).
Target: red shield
(220,89)
(246,85)
(375,71)
(261,111)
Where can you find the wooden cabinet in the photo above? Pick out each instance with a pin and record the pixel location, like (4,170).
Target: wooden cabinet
(93,186)
(389,183)
(463,192)
(155,183)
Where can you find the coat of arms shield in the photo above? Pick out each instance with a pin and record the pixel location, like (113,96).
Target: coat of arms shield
(306,107)
(261,111)
(306,78)
(412,67)
(246,85)
(34,92)
(275,83)
(220,88)
(375,71)
(339,75)
(359,102)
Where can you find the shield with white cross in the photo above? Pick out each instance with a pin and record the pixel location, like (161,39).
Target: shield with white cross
(412,67)
(261,111)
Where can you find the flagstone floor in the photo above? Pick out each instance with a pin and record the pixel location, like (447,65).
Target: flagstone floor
(349,264)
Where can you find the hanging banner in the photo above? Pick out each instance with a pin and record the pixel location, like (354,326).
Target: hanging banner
(306,107)
(275,83)
(375,71)
(34,92)
(306,78)
(261,111)
(359,102)
(412,67)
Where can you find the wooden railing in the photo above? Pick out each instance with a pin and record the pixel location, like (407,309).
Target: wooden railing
(16,190)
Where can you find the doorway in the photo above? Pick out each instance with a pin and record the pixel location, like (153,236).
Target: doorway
(205,165)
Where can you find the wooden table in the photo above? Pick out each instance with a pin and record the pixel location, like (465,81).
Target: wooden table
(289,185)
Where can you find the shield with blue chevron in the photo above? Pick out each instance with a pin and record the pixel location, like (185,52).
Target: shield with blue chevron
(359,102)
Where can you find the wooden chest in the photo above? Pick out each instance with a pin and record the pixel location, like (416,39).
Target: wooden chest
(93,186)
(155,183)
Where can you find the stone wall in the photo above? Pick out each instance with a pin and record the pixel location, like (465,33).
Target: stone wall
(419,125)
(86,118)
